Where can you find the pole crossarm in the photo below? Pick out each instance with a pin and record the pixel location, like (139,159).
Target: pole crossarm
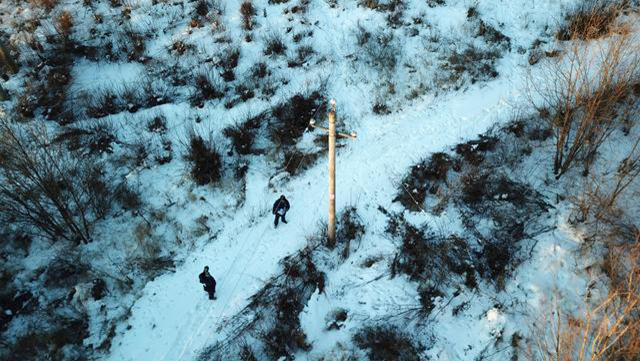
(353,135)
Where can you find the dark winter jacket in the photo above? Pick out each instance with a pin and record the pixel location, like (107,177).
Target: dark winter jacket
(208,280)
(281,203)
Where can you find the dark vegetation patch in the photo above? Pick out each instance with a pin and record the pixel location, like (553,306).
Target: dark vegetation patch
(206,87)
(129,98)
(296,162)
(243,135)
(274,45)
(301,56)
(205,159)
(470,62)
(427,176)
(228,63)
(479,64)
(436,261)
(248,12)
(350,229)
(476,176)
(96,139)
(290,119)
(387,343)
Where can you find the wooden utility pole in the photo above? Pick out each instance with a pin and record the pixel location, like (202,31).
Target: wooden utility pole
(331,224)
(331,231)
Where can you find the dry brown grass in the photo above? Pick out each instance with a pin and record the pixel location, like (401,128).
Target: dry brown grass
(594,19)
(608,331)
(64,23)
(248,12)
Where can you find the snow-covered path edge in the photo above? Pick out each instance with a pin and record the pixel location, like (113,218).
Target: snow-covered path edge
(174,319)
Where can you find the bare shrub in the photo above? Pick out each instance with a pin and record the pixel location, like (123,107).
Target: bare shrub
(64,23)
(425,177)
(592,19)
(6,59)
(584,97)
(228,63)
(248,12)
(58,194)
(274,45)
(296,162)
(350,229)
(477,63)
(291,118)
(243,135)
(601,204)
(207,87)
(301,56)
(380,50)
(607,330)
(387,343)
(97,138)
(46,4)
(206,161)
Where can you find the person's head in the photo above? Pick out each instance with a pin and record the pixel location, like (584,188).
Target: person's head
(206,268)
(282,197)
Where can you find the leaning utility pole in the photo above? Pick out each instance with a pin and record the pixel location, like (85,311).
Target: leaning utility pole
(331,229)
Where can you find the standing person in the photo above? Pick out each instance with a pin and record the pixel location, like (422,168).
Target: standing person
(209,283)
(280,209)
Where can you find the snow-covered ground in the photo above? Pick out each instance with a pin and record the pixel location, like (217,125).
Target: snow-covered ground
(428,108)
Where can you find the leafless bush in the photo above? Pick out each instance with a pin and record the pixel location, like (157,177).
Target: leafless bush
(248,12)
(296,162)
(64,23)
(608,330)
(46,4)
(7,61)
(584,97)
(58,194)
(387,343)
(229,62)
(425,177)
(478,64)
(380,50)
(593,19)
(601,204)
(206,161)
(274,45)
(243,135)
(291,118)
(350,229)
(207,86)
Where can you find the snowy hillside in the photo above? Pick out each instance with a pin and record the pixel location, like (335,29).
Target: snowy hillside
(486,210)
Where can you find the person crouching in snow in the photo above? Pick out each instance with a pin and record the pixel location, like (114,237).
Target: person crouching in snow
(280,209)
(209,283)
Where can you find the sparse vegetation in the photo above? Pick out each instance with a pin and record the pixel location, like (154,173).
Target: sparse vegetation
(205,159)
(387,343)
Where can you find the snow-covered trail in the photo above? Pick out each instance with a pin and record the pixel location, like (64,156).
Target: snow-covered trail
(174,319)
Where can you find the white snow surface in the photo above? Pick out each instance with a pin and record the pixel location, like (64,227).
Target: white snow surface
(173,319)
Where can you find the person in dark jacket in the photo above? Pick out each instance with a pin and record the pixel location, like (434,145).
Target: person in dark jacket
(209,283)
(280,209)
